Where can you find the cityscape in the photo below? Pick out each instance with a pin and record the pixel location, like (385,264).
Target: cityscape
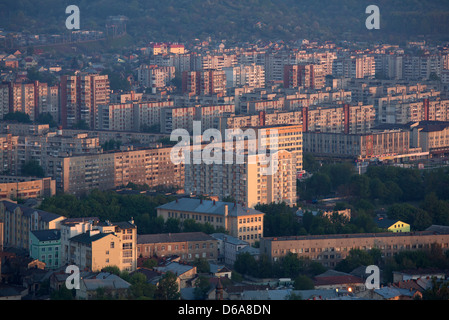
(212,150)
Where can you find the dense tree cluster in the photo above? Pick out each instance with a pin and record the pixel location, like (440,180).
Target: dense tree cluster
(417,197)
(109,205)
(180,20)
(299,270)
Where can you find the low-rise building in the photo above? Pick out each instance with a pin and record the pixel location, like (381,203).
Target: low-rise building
(45,245)
(187,245)
(241,222)
(331,249)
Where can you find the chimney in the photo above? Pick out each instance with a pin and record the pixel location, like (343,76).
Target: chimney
(226,210)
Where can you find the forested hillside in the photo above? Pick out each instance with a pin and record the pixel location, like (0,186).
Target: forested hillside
(238,20)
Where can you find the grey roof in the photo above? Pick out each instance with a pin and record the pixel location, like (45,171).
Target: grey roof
(47,235)
(229,239)
(249,249)
(175,267)
(106,280)
(87,238)
(78,220)
(438,228)
(390,292)
(385,223)
(27,211)
(209,207)
(173,237)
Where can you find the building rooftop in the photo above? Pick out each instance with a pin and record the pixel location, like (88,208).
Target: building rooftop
(173,237)
(358,235)
(175,267)
(47,235)
(44,215)
(209,207)
(88,238)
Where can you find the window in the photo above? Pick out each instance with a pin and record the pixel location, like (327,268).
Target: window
(112,245)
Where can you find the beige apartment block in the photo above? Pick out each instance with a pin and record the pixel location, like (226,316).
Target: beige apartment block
(240,221)
(109,244)
(331,249)
(16,187)
(108,170)
(187,245)
(360,146)
(257,179)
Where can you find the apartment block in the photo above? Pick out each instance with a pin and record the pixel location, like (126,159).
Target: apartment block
(208,115)
(421,67)
(153,76)
(284,138)
(212,61)
(304,75)
(108,170)
(359,66)
(258,120)
(110,244)
(80,97)
(19,220)
(251,76)
(23,98)
(187,245)
(241,221)
(331,249)
(431,136)
(116,117)
(177,117)
(343,118)
(360,146)
(9,154)
(4,100)
(256,179)
(131,116)
(204,82)
(17,187)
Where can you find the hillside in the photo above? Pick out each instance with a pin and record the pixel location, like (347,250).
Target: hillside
(238,20)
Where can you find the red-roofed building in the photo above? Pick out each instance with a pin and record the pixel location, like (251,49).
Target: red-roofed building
(332,279)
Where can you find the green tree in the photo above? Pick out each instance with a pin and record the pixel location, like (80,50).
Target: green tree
(290,265)
(46,118)
(62,294)
(168,288)
(17,116)
(140,288)
(245,264)
(303,282)
(33,168)
(201,289)
(202,265)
